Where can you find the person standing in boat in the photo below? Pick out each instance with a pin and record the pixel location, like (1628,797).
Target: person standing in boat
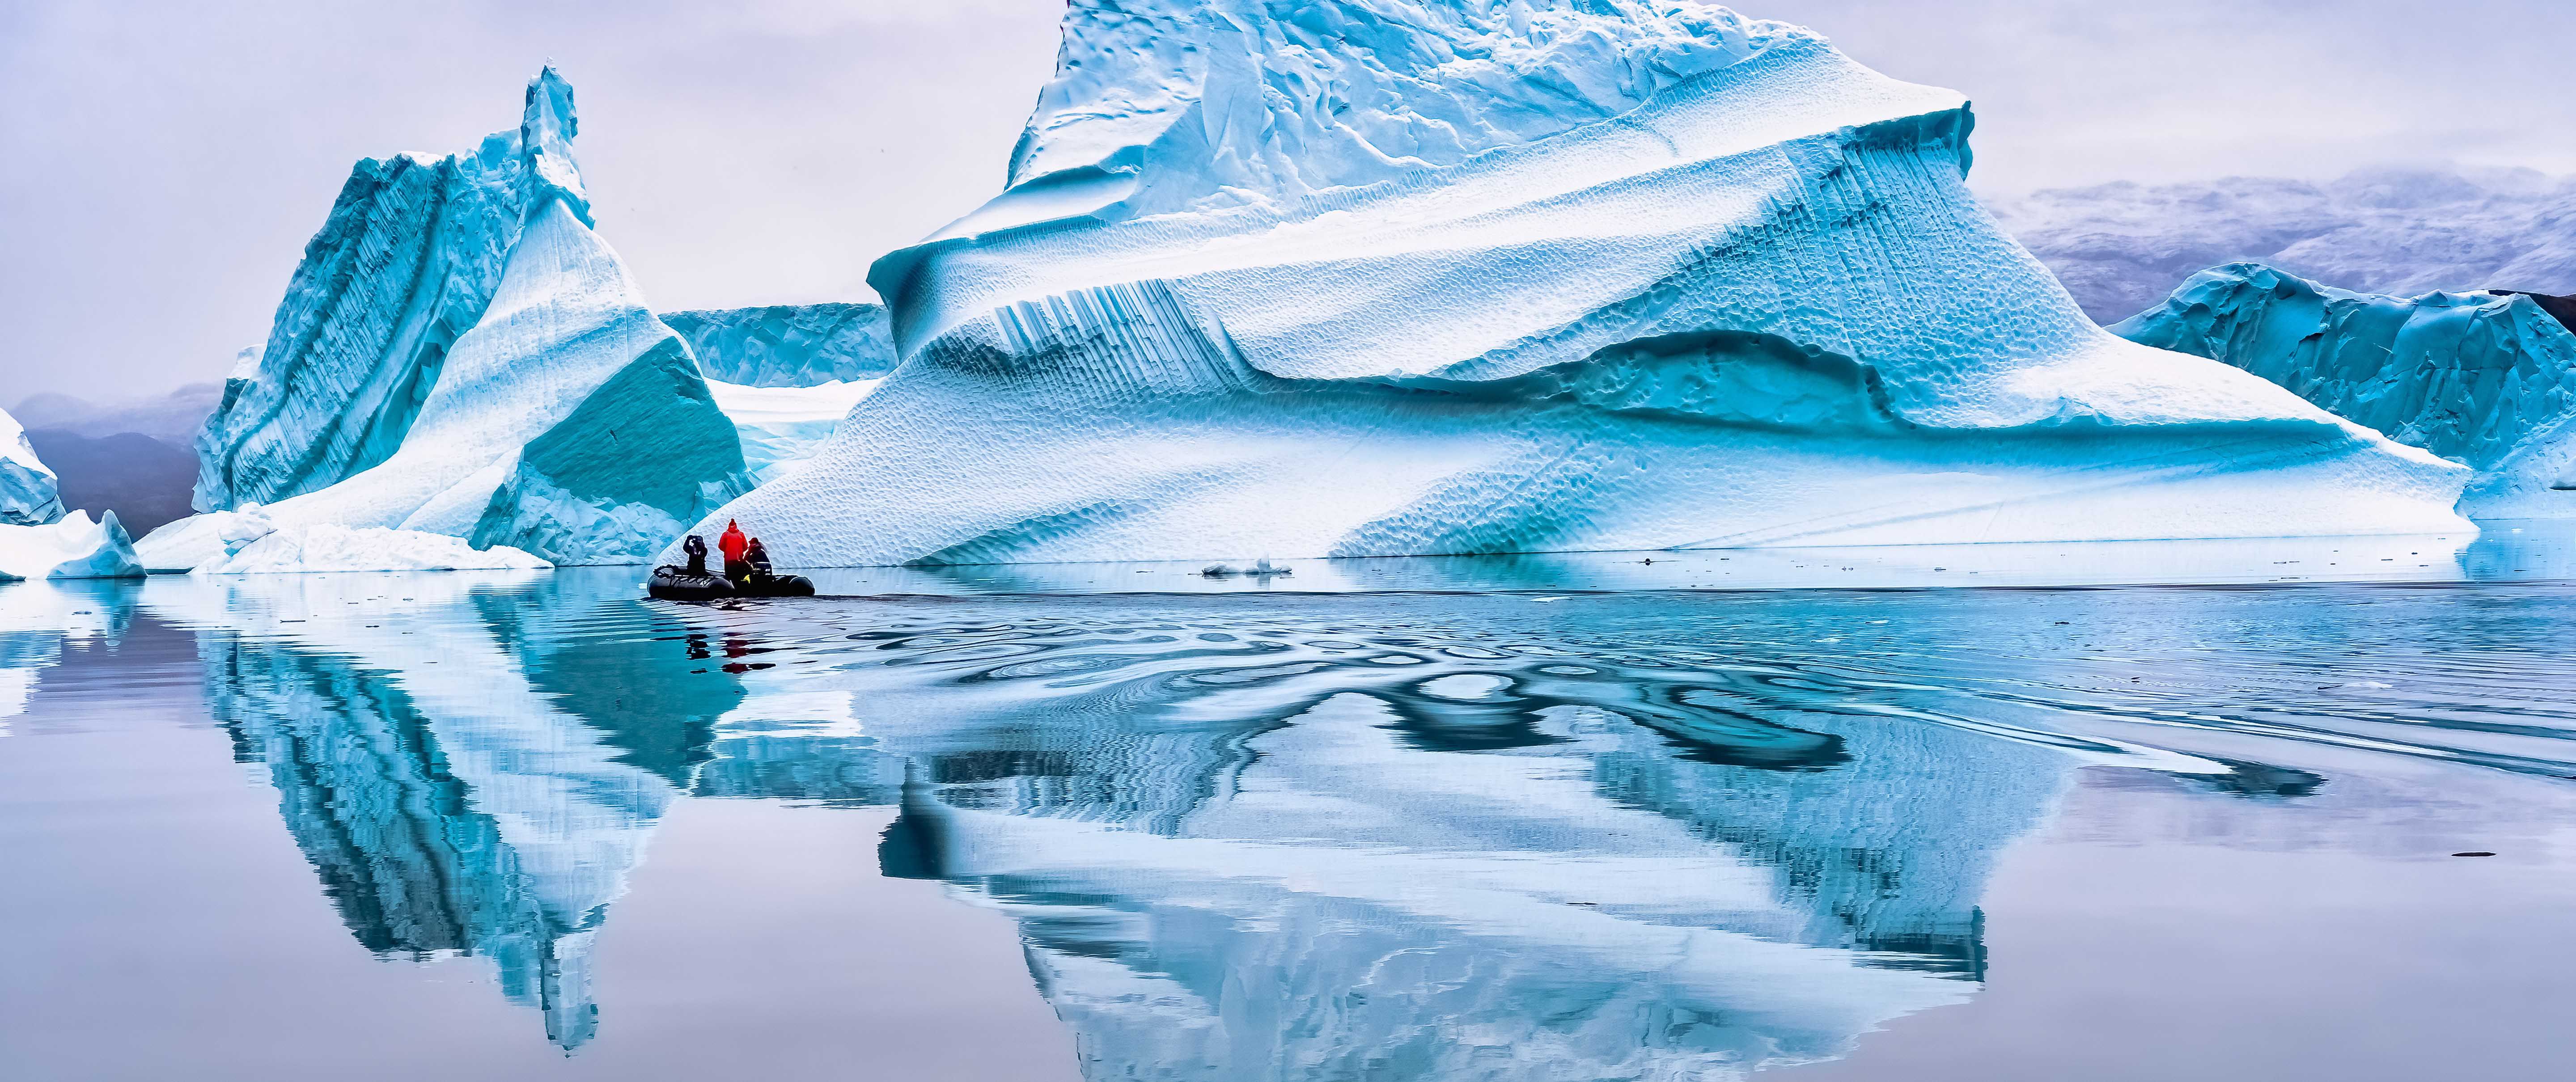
(695,548)
(733,544)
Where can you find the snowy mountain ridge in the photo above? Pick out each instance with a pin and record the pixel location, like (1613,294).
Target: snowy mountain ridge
(2120,248)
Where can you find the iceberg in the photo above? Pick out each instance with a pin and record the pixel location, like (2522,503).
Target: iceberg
(2120,247)
(37,539)
(2488,379)
(29,495)
(789,345)
(497,378)
(1388,277)
(72,547)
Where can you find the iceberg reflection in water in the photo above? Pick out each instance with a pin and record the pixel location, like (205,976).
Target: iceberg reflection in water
(1424,835)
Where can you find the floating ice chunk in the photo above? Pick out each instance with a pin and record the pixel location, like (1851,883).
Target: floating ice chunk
(73,547)
(1394,279)
(2486,379)
(324,547)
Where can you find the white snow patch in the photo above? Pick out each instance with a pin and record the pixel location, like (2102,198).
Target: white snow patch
(324,547)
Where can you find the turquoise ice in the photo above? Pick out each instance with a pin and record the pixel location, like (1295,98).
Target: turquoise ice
(2486,379)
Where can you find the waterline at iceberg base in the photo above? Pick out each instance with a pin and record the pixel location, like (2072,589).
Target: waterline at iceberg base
(1734,291)
(506,816)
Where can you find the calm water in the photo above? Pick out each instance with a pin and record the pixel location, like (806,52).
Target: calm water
(460,826)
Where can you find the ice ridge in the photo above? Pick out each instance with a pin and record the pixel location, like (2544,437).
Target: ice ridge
(1677,278)
(2484,378)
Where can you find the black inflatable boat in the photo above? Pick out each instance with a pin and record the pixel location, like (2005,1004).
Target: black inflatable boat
(677,584)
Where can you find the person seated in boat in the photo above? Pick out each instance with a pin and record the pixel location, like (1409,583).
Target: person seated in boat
(758,557)
(732,544)
(695,548)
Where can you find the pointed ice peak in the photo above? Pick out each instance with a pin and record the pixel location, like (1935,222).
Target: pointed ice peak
(546,132)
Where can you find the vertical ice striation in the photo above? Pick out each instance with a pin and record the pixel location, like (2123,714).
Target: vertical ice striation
(2488,379)
(1387,277)
(405,264)
(462,354)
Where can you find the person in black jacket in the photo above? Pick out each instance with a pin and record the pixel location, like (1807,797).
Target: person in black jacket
(696,548)
(757,555)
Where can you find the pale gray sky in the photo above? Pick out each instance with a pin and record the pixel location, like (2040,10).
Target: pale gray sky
(163,163)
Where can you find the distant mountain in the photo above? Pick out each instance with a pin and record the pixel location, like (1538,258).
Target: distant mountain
(136,457)
(171,418)
(146,480)
(2121,248)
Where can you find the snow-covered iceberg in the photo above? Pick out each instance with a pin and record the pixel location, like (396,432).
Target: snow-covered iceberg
(789,345)
(461,354)
(2120,247)
(1379,277)
(2487,379)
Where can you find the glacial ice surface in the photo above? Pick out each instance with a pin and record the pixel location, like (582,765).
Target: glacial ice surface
(1375,277)
(2489,380)
(789,345)
(462,354)
(2121,247)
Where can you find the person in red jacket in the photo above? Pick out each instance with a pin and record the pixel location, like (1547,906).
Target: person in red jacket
(733,544)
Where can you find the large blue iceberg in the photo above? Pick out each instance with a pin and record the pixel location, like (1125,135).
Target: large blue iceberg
(2484,378)
(1379,278)
(461,354)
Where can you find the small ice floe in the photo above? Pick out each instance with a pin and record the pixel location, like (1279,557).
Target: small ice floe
(1260,569)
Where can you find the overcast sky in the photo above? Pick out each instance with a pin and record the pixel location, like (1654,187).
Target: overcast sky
(163,163)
